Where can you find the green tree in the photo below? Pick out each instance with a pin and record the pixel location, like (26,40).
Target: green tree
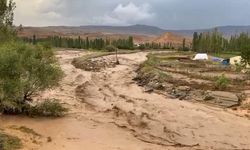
(131,42)
(24,71)
(6,20)
(184,44)
(87,43)
(195,41)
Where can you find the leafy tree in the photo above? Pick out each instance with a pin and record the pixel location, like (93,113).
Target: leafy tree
(195,41)
(184,44)
(25,70)
(6,20)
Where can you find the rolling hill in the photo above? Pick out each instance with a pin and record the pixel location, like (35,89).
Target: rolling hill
(134,29)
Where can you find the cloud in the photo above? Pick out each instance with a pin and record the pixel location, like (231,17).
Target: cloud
(38,12)
(127,14)
(169,14)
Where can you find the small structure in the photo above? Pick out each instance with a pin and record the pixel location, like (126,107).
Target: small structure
(236,60)
(201,56)
(216,59)
(226,62)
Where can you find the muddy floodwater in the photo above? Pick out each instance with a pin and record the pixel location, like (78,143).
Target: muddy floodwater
(109,111)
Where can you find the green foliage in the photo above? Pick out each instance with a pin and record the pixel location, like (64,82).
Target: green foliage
(9,142)
(222,82)
(152,45)
(142,47)
(25,70)
(47,108)
(79,43)
(110,48)
(6,20)
(195,42)
(244,46)
(209,42)
(26,130)
(214,42)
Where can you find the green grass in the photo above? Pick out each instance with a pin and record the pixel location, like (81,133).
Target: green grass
(225,54)
(148,70)
(8,142)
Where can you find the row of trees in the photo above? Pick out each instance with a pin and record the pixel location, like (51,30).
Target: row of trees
(209,42)
(215,42)
(154,45)
(241,43)
(98,43)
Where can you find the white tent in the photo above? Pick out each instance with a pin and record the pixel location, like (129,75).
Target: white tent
(201,56)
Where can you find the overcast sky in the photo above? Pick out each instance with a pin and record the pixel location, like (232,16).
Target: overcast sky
(167,14)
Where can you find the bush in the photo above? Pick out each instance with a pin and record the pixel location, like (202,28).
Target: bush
(110,48)
(24,71)
(222,82)
(9,142)
(48,108)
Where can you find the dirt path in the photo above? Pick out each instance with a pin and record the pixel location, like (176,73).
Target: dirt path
(110,112)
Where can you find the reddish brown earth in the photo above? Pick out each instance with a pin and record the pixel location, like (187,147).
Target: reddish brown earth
(44,33)
(168,37)
(175,39)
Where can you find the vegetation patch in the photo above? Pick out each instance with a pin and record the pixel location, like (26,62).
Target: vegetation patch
(26,130)
(47,108)
(8,142)
(180,76)
(24,71)
(222,82)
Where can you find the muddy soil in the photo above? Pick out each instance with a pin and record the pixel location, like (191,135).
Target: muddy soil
(109,111)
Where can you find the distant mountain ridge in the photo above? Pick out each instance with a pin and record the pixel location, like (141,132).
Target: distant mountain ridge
(136,29)
(227,31)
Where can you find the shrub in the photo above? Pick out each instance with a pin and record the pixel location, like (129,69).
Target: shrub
(222,82)
(110,48)
(9,142)
(25,70)
(239,67)
(142,47)
(48,108)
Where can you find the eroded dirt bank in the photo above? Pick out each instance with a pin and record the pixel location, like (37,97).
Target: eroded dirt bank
(109,111)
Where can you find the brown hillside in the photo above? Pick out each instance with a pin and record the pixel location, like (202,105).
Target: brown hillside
(49,31)
(172,38)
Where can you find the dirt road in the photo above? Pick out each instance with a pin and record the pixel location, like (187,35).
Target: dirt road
(110,112)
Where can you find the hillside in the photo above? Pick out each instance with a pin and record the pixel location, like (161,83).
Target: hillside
(134,30)
(169,37)
(41,32)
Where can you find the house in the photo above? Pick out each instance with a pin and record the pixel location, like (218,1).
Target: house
(201,56)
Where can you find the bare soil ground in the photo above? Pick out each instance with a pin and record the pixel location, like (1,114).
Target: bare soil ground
(109,111)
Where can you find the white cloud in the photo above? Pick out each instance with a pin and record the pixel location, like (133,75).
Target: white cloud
(170,14)
(52,15)
(127,14)
(37,12)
